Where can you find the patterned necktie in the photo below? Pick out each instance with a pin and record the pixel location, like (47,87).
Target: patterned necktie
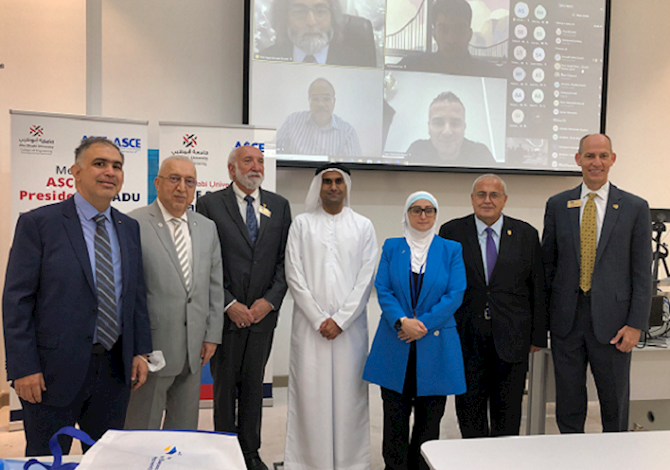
(588,244)
(491,252)
(309,59)
(252,223)
(107,327)
(182,252)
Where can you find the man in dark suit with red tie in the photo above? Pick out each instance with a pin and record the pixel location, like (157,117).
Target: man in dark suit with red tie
(74,306)
(597,255)
(253,228)
(503,316)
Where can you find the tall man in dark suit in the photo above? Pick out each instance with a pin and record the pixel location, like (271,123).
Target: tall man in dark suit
(74,306)
(253,227)
(597,254)
(503,315)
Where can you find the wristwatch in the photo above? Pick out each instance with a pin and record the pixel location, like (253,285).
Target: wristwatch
(398,324)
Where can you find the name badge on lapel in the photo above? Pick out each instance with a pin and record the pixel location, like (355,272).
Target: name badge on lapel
(265,211)
(574,203)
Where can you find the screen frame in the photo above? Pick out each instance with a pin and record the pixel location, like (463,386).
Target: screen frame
(246,104)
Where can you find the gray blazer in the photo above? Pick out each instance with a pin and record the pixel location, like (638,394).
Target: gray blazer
(181,321)
(621,284)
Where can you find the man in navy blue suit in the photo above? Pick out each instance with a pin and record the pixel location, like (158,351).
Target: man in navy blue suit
(74,306)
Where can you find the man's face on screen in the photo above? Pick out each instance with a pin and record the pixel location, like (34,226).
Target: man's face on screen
(309,24)
(446,127)
(321,102)
(452,35)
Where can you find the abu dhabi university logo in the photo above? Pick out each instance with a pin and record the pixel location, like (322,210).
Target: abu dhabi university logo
(169,453)
(190,140)
(36,131)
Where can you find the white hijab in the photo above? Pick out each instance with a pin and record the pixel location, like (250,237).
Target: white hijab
(419,242)
(313,199)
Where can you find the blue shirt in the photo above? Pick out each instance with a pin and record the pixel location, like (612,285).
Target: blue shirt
(300,135)
(86,212)
(482,235)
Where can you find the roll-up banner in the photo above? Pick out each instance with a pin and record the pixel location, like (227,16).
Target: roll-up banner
(42,152)
(208,147)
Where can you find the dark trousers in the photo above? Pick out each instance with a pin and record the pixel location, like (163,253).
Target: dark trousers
(237,368)
(99,405)
(611,371)
(494,387)
(399,452)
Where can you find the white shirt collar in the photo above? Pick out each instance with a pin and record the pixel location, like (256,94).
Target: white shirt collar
(321,56)
(166,214)
(497,225)
(241,194)
(603,192)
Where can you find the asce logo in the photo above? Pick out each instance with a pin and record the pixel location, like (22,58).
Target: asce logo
(124,142)
(190,140)
(36,131)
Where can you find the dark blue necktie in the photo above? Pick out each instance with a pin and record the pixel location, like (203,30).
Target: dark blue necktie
(252,223)
(491,252)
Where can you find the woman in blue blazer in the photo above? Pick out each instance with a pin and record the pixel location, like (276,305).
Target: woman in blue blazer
(416,355)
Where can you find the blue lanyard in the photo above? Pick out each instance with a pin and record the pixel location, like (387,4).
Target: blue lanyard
(415,288)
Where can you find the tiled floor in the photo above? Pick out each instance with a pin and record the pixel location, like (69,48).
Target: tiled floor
(274,428)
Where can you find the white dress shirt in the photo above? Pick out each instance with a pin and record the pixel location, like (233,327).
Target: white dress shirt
(240,195)
(601,205)
(186,230)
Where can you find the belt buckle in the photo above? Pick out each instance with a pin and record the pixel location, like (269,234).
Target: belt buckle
(487,313)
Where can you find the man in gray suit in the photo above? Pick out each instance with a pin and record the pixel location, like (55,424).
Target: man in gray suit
(597,254)
(253,227)
(183,273)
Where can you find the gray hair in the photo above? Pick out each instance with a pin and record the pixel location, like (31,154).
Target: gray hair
(232,160)
(490,175)
(280,12)
(581,142)
(88,141)
(175,158)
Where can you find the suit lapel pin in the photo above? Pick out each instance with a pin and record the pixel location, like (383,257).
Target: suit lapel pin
(616,206)
(160,224)
(509,232)
(403,252)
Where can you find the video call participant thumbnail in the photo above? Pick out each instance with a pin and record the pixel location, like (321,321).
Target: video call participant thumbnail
(317,32)
(447,144)
(318,131)
(451,20)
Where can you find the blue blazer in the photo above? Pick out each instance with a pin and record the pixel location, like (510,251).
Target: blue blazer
(439,359)
(50,302)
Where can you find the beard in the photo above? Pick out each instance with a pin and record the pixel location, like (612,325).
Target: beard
(310,43)
(251,184)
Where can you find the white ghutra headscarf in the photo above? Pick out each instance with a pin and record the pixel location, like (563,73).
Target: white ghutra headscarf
(419,242)
(313,199)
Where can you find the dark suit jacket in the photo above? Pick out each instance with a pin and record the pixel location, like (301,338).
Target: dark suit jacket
(355,46)
(250,272)
(50,303)
(621,283)
(515,293)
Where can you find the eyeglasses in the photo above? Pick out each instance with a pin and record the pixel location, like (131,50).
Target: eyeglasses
(481,195)
(174,179)
(300,12)
(318,99)
(416,211)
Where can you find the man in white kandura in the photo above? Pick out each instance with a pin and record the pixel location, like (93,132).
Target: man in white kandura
(330,262)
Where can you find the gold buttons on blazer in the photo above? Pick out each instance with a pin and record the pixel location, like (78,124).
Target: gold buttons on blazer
(437,333)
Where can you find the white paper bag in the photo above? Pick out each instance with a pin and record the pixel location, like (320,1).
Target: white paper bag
(164,450)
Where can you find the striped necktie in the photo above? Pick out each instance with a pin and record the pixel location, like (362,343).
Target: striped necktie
(182,252)
(587,244)
(107,327)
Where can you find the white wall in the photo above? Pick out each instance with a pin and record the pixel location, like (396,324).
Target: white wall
(178,61)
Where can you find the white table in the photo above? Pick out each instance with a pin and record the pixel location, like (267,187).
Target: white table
(631,450)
